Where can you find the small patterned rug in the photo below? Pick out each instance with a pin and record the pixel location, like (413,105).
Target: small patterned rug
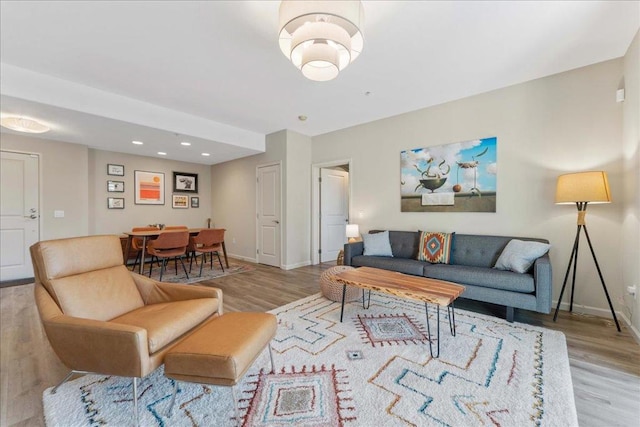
(374,369)
(207,272)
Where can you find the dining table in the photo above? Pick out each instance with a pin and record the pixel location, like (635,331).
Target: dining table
(148,235)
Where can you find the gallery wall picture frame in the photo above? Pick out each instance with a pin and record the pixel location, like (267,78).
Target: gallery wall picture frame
(115,186)
(149,188)
(195,202)
(180,201)
(115,202)
(115,170)
(185,182)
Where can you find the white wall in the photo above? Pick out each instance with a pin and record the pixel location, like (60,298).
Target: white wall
(234,198)
(64,183)
(298,208)
(116,221)
(233,201)
(631,180)
(562,123)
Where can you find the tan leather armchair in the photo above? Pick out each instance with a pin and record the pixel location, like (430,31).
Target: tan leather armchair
(101,318)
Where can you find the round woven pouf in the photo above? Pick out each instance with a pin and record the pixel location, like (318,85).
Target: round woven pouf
(332,290)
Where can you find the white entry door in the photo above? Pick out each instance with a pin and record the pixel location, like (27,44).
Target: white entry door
(19,213)
(334,212)
(268,204)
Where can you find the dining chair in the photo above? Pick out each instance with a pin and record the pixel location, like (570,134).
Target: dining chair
(189,247)
(136,244)
(208,241)
(169,244)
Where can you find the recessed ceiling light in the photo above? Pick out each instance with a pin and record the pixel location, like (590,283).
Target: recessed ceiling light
(162,153)
(186,144)
(206,154)
(302,117)
(22,124)
(137,142)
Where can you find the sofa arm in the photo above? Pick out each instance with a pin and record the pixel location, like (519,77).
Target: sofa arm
(154,292)
(97,346)
(542,277)
(351,250)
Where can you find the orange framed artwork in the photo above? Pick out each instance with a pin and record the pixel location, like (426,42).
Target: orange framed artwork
(149,188)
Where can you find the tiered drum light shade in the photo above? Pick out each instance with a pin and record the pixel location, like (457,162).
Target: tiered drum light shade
(321,37)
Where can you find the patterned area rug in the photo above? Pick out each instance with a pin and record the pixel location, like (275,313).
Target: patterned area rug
(372,370)
(207,273)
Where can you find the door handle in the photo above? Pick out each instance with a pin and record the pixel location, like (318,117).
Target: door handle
(32,216)
(276,221)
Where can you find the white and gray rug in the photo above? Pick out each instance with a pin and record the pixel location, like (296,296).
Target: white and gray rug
(374,369)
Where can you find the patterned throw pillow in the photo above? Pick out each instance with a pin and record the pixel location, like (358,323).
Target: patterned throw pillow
(435,247)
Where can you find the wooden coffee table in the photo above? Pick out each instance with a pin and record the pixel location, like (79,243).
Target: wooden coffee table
(434,291)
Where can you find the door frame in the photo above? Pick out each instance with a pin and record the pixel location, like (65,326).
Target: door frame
(40,188)
(315,202)
(282,213)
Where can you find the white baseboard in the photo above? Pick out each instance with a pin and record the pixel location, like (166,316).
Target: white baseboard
(600,312)
(243,258)
(284,267)
(296,265)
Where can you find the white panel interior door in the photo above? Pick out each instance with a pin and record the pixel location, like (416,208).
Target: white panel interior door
(334,211)
(19,212)
(268,204)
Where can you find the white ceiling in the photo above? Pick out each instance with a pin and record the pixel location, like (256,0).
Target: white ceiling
(105,73)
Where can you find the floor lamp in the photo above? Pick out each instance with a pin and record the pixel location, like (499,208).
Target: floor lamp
(582,188)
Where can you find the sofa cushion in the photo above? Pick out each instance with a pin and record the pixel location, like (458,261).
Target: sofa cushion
(98,295)
(518,255)
(408,266)
(377,244)
(404,244)
(435,247)
(480,276)
(168,321)
(480,251)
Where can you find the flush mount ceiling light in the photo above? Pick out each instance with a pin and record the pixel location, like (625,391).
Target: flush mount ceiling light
(22,124)
(321,37)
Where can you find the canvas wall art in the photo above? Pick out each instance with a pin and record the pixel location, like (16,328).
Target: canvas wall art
(149,188)
(458,177)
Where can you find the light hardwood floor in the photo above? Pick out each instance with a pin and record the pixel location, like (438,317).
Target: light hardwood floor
(605,364)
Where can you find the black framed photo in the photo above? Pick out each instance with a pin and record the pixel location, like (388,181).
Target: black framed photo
(115,202)
(117,170)
(115,186)
(195,202)
(184,182)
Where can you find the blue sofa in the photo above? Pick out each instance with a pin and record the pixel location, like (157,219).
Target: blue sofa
(472,259)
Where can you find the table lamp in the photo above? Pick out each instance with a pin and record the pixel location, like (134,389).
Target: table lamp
(353,232)
(583,188)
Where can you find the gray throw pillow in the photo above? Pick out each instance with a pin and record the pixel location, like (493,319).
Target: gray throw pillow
(519,255)
(377,244)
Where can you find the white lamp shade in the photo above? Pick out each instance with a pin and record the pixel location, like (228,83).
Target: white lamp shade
(321,37)
(353,230)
